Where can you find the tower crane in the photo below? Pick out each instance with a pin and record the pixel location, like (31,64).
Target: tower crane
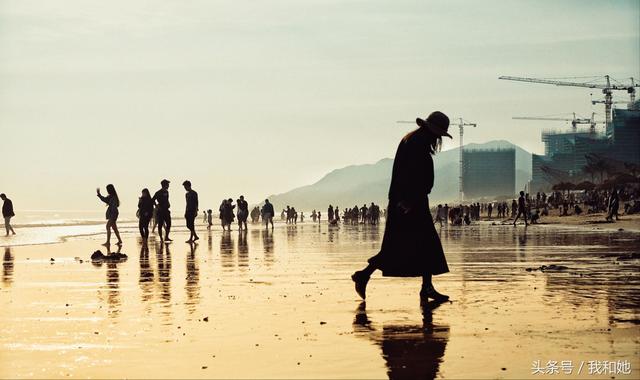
(461,123)
(574,122)
(607,89)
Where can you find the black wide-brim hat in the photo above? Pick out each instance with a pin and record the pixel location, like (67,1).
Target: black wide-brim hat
(437,123)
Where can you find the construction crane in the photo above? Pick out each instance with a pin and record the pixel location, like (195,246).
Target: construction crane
(574,121)
(461,124)
(607,89)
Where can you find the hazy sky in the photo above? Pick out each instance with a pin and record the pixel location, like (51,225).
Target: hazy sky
(258,97)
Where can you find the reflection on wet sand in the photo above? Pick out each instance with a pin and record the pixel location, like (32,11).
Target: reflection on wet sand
(287,294)
(7,267)
(226,250)
(164,276)
(410,351)
(146,277)
(192,281)
(243,250)
(268,245)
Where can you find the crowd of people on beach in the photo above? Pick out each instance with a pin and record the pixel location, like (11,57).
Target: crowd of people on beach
(155,210)
(532,208)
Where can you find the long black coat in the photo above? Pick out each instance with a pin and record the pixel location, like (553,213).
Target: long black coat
(411,246)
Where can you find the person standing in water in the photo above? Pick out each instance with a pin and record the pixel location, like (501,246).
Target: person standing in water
(191,211)
(111,215)
(411,246)
(7,213)
(161,197)
(145,213)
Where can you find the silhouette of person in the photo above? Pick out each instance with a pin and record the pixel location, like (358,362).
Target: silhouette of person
(411,246)
(145,213)
(409,351)
(243,212)
(161,198)
(191,211)
(267,213)
(209,219)
(7,213)
(522,210)
(113,202)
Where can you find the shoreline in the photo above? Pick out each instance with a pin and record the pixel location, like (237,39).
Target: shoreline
(590,222)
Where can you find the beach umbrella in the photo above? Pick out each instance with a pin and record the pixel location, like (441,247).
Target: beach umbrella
(585,185)
(624,178)
(562,186)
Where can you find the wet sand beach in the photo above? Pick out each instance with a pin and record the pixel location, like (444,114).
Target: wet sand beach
(281,305)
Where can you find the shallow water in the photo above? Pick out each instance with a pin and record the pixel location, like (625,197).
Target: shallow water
(281,304)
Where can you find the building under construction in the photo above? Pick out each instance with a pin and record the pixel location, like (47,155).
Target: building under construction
(488,173)
(567,153)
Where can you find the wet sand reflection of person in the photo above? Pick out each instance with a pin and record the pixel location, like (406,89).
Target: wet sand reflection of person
(113,284)
(164,275)
(192,281)
(146,273)
(409,351)
(267,244)
(226,250)
(243,249)
(7,267)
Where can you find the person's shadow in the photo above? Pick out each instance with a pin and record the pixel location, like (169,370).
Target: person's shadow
(410,351)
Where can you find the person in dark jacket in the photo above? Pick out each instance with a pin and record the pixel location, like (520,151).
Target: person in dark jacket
(145,213)
(163,215)
(191,211)
(7,213)
(522,210)
(267,213)
(243,213)
(113,202)
(411,246)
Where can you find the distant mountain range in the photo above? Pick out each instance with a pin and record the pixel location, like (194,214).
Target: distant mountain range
(357,184)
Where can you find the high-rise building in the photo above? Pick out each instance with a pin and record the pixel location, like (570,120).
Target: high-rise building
(488,173)
(566,153)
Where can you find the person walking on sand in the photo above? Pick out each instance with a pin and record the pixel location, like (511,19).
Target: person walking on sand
(243,213)
(204,217)
(145,213)
(267,213)
(411,246)
(161,197)
(111,215)
(7,213)
(191,211)
(522,210)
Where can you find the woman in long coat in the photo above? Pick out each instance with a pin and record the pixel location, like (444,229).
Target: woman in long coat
(411,246)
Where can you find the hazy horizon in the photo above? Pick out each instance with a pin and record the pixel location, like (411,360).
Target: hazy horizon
(258,98)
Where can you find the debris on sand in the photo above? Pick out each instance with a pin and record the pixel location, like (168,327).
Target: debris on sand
(98,256)
(549,268)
